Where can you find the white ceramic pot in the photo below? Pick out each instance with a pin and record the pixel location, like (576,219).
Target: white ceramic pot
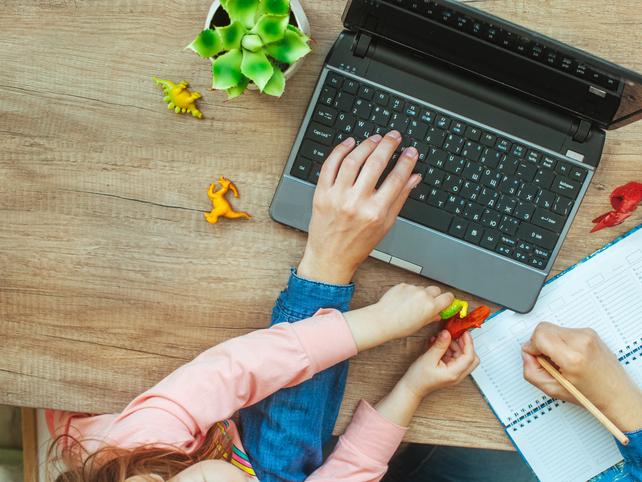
(302,22)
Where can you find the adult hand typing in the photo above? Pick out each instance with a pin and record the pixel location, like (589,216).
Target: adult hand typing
(350,215)
(584,359)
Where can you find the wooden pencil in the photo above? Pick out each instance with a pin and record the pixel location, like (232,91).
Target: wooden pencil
(585,402)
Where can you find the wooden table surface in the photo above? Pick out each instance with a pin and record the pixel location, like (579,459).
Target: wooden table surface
(109,276)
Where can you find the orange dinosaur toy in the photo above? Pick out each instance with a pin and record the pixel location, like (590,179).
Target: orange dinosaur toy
(221,207)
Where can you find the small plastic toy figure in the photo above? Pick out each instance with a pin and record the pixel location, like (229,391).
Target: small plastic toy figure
(625,200)
(179,98)
(457,325)
(221,207)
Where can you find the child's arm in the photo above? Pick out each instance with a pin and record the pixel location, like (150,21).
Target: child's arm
(244,370)
(373,436)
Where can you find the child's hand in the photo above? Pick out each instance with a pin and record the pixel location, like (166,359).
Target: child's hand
(349,215)
(402,311)
(446,363)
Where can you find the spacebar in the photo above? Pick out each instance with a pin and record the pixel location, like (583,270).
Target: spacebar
(427,215)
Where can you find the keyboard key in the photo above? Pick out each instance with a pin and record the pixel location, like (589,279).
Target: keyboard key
(508,166)
(506,204)
(314,151)
(412,110)
(491,219)
(455,164)
(417,129)
(508,240)
(472,151)
(520,256)
(436,137)
(427,116)
(327,95)
(380,116)
(503,145)
(351,86)
(382,99)
(526,171)
(315,173)
(473,133)
(474,234)
(453,143)
(490,239)
(434,176)
(455,204)
(536,235)
(421,193)
(518,151)
(565,187)
(321,134)
(473,171)
(438,198)
(488,139)
(564,168)
(533,157)
(344,101)
(525,247)
(398,122)
(473,212)
(397,104)
(548,220)
(491,158)
(549,162)
(426,215)
(346,122)
(458,128)
(544,178)
(366,92)
(488,197)
(334,80)
(562,206)
(524,210)
(546,199)
(437,157)
(325,115)
(458,228)
(528,193)
(442,122)
(538,263)
(504,249)
(541,252)
(362,108)
(470,190)
(510,185)
(363,129)
(452,183)
(491,178)
(578,174)
(301,168)
(509,225)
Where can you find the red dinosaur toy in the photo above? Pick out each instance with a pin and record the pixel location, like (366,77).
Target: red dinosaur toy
(625,200)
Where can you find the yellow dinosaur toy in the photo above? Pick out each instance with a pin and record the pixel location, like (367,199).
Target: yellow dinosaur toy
(221,207)
(179,97)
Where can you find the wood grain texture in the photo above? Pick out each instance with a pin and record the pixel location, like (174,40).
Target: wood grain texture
(109,276)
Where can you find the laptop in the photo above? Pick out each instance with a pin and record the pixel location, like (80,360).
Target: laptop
(510,126)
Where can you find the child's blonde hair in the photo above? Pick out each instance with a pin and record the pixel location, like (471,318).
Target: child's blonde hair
(68,461)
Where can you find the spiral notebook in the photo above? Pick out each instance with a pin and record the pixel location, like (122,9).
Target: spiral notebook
(561,441)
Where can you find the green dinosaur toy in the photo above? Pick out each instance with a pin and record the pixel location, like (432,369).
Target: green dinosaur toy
(179,98)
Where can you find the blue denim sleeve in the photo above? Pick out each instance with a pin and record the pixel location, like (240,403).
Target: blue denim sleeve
(630,470)
(284,434)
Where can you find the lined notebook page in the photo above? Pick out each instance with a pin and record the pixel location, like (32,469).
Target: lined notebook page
(561,441)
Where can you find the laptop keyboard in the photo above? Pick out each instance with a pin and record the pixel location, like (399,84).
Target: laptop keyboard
(477,186)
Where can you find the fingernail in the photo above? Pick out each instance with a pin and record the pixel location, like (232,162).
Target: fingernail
(376,138)
(417,180)
(443,334)
(394,135)
(410,152)
(348,142)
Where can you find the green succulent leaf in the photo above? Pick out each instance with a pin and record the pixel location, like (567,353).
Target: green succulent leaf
(243,11)
(237,90)
(290,49)
(299,32)
(252,42)
(257,68)
(207,44)
(226,70)
(231,35)
(276,7)
(271,28)
(276,84)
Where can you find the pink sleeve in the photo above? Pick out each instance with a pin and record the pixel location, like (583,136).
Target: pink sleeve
(363,451)
(211,388)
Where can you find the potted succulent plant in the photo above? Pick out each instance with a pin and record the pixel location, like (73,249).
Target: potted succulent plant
(253,44)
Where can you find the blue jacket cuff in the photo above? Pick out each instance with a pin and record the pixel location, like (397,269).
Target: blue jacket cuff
(303,297)
(632,452)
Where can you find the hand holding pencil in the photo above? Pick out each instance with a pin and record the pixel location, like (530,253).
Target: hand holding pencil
(582,359)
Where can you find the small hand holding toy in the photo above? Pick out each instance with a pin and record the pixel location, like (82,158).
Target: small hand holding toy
(179,98)
(458,320)
(221,207)
(625,200)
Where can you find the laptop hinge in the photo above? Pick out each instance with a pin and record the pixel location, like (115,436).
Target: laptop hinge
(361,44)
(581,130)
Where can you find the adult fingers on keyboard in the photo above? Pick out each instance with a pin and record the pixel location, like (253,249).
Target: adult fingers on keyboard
(331,165)
(352,162)
(377,162)
(398,178)
(397,204)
